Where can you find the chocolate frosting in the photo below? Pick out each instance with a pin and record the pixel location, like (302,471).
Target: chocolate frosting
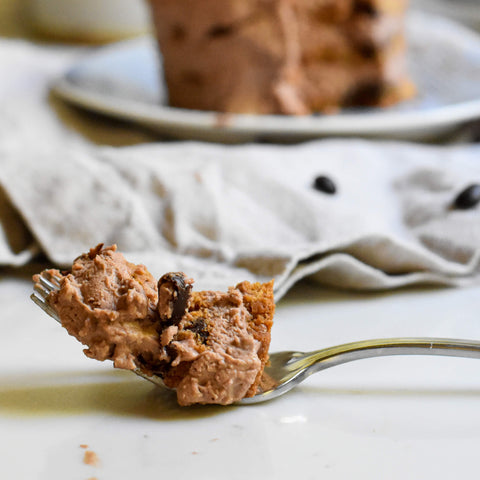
(279,56)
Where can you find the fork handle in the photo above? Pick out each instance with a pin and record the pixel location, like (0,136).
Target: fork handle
(330,357)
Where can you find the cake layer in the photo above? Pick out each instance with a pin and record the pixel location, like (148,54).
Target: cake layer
(257,56)
(218,349)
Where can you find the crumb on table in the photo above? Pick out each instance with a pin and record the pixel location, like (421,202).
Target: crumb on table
(91,458)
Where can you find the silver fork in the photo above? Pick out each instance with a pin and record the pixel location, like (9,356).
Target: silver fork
(287,369)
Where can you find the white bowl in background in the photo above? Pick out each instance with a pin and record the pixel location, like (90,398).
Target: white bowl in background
(89,20)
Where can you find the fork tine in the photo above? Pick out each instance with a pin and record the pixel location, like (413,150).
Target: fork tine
(39,300)
(40,291)
(54,279)
(155,379)
(47,284)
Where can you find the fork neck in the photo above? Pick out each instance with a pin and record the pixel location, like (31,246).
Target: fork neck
(329,357)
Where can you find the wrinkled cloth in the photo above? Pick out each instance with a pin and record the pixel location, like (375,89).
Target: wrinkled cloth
(224,214)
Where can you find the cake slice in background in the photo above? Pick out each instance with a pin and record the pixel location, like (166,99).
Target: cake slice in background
(282,56)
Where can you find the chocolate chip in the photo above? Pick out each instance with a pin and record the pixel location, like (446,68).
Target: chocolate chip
(194,78)
(199,328)
(177,287)
(367,50)
(179,33)
(324,184)
(468,198)
(171,350)
(220,31)
(151,364)
(364,94)
(365,7)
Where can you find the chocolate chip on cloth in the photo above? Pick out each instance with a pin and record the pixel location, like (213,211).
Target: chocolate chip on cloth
(324,184)
(468,198)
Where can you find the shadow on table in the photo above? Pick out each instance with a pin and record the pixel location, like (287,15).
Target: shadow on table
(82,393)
(306,291)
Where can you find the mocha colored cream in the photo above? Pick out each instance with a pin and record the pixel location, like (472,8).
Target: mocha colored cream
(210,346)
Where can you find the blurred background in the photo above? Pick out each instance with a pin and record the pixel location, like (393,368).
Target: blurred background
(82,21)
(93,21)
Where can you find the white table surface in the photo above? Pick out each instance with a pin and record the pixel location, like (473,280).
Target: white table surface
(386,418)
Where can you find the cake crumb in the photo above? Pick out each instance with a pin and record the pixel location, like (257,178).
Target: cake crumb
(91,458)
(83,445)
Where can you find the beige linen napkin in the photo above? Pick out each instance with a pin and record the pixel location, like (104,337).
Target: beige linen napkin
(223,214)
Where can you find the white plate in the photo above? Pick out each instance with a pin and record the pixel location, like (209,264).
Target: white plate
(122,81)
(465,11)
